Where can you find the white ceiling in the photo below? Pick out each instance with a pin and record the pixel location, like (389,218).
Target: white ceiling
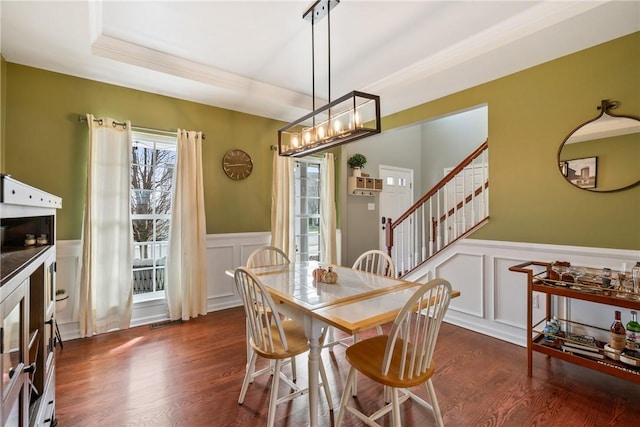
(255,56)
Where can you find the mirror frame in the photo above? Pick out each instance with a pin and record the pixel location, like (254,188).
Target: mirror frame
(605,107)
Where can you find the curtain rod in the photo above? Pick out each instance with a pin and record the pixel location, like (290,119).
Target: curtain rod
(83,119)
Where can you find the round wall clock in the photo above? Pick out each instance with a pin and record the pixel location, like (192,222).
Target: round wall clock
(237,164)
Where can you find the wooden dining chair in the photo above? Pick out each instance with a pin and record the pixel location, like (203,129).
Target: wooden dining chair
(375,261)
(372,261)
(266,256)
(404,358)
(273,338)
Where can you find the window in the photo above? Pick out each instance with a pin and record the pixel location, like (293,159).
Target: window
(307,209)
(153,159)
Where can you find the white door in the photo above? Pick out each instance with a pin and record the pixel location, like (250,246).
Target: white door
(396,197)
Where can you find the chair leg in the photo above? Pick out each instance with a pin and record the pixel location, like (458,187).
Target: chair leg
(294,375)
(331,339)
(274,393)
(354,386)
(434,403)
(345,396)
(248,376)
(325,385)
(396,408)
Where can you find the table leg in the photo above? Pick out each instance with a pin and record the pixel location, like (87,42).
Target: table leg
(314,369)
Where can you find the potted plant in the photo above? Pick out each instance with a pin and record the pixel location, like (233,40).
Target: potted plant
(61,299)
(357,162)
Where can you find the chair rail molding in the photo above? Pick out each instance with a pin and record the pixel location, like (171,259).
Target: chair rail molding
(492,300)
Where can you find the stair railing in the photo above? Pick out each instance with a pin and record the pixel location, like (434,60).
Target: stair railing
(457,205)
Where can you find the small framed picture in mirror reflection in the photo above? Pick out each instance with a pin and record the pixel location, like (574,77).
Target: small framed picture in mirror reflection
(582,172)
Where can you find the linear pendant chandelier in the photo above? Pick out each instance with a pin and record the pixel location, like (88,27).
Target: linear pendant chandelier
(348,118)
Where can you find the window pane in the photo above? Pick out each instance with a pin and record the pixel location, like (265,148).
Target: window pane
(307,209)
(162,202)
(162,230)
(142,230)
(153,160)
(141,202)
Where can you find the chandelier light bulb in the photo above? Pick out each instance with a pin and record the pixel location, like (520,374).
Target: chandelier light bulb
(337,125)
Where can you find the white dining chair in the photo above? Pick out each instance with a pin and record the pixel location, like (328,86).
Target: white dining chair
(402,359)
(266,256)
(372,261)
(273,338)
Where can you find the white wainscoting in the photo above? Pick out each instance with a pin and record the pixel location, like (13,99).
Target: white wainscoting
(492,301)
(224,251)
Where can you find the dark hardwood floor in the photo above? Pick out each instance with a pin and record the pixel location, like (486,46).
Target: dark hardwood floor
(190,375)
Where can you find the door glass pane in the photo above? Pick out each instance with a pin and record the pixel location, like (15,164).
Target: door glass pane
(12,355)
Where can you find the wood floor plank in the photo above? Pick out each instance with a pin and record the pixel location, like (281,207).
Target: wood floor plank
(190,374)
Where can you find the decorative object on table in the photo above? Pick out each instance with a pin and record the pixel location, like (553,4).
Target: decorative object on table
(630,357)
(624,288)
(635,277)
(357,162)
(557,269)
(606,277)
(617,333)
(584,345)
(351,117)
(61,299)
(551,329)
(633,332)
(612,353)
(330,277)
(30,240)
(237,164)
(318,274)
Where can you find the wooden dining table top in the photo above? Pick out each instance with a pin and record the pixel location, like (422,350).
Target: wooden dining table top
(358,300)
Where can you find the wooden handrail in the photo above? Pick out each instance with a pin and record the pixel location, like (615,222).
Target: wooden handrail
(448,177)
(417,252)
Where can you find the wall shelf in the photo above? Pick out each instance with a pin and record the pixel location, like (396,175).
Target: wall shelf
(363,186)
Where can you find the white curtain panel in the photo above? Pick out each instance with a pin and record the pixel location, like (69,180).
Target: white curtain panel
(186,274)
(107,242)
(282,206)
(328,246)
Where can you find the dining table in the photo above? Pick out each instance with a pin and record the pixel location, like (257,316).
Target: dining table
(357,301)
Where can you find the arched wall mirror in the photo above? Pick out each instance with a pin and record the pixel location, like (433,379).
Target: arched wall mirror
(602,154)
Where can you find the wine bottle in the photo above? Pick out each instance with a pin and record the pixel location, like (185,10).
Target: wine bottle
(633,332)
(618,334)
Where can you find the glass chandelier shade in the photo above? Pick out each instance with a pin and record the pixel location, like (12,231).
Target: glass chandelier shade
(348,118)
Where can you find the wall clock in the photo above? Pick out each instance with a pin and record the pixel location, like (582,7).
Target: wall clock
(237,164)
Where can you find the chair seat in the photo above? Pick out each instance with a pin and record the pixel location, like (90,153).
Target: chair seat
(367,357)
(296,340)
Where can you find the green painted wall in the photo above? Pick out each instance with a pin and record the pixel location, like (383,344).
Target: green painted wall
(530,113)
(46,146)
(3,73)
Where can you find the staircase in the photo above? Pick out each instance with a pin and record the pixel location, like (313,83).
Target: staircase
(454,208)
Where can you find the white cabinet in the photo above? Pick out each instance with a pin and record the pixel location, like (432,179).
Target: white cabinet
(14,311)
(363,186)
(27,305)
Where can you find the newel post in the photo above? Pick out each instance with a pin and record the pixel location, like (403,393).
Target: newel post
(388,236)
